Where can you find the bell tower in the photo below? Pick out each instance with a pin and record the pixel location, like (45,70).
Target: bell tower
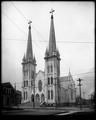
(29,70)
(52,68)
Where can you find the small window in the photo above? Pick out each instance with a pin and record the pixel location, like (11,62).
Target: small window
(48,94)
(31,83)
(24,83)
(51,94)
(26,95)
(27,83)
(51,80)
(72,94)
(48,80)
(40,85)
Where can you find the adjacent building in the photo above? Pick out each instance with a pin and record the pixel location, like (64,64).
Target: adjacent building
(9,95)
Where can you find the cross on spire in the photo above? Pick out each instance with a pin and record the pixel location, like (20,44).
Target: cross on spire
(52,11)
(29,22)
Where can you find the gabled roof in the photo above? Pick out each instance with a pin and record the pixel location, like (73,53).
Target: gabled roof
(7,84)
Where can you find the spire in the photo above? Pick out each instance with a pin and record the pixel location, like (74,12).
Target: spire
(52,41)
(34,60)
(29,52)
(58,54)
(46,53)
(24,59)
(69,75)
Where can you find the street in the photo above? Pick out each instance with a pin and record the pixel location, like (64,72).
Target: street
(46,111)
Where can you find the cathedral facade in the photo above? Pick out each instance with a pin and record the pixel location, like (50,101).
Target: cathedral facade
(46,86)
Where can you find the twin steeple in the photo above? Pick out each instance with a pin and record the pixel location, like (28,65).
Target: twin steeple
(29,53)
(52,50)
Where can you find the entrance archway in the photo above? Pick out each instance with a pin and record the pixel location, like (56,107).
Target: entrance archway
(32,98)
(37,100)
(42,98)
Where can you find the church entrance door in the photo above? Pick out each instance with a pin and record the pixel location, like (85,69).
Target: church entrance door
(37,100)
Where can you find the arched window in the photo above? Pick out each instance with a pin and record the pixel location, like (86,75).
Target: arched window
(37,98)
(51,94)
(32,98)
(48,80)
(40,85)
(51,80)
(26,95)
(71,94)
(31,82)
(48,94)
(24,83)
(27,83)
(42,97)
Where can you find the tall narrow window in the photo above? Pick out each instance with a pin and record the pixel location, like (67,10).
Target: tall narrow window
(71,94)
(48,69)
(24,95)
(51,80)
(48,94)
(24,83)
(51,68)
(31,83)
(27,83)
(48,80)
(51,94)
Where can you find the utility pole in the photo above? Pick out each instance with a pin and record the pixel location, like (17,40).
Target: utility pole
(79,80)
(34,94)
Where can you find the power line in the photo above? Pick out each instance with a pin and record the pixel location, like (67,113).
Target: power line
(47,41)
(14,23)
(61,76)
(27,20)
(82,73)
(41,34)
(19,11)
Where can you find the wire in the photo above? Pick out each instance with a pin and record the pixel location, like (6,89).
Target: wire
(47,41)
(61,77)
(19,11)
(41,34)
(27,20)
(38,33)
(14,23)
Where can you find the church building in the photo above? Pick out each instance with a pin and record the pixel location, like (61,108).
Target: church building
(46,86)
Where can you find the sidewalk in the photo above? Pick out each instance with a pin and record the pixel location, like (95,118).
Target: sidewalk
(56,108)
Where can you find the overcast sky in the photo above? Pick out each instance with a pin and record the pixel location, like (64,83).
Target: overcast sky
(73,21)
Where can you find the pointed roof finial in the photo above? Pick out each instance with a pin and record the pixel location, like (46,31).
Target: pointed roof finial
(24,57)
(29,23)
(69,69)
(52,12)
